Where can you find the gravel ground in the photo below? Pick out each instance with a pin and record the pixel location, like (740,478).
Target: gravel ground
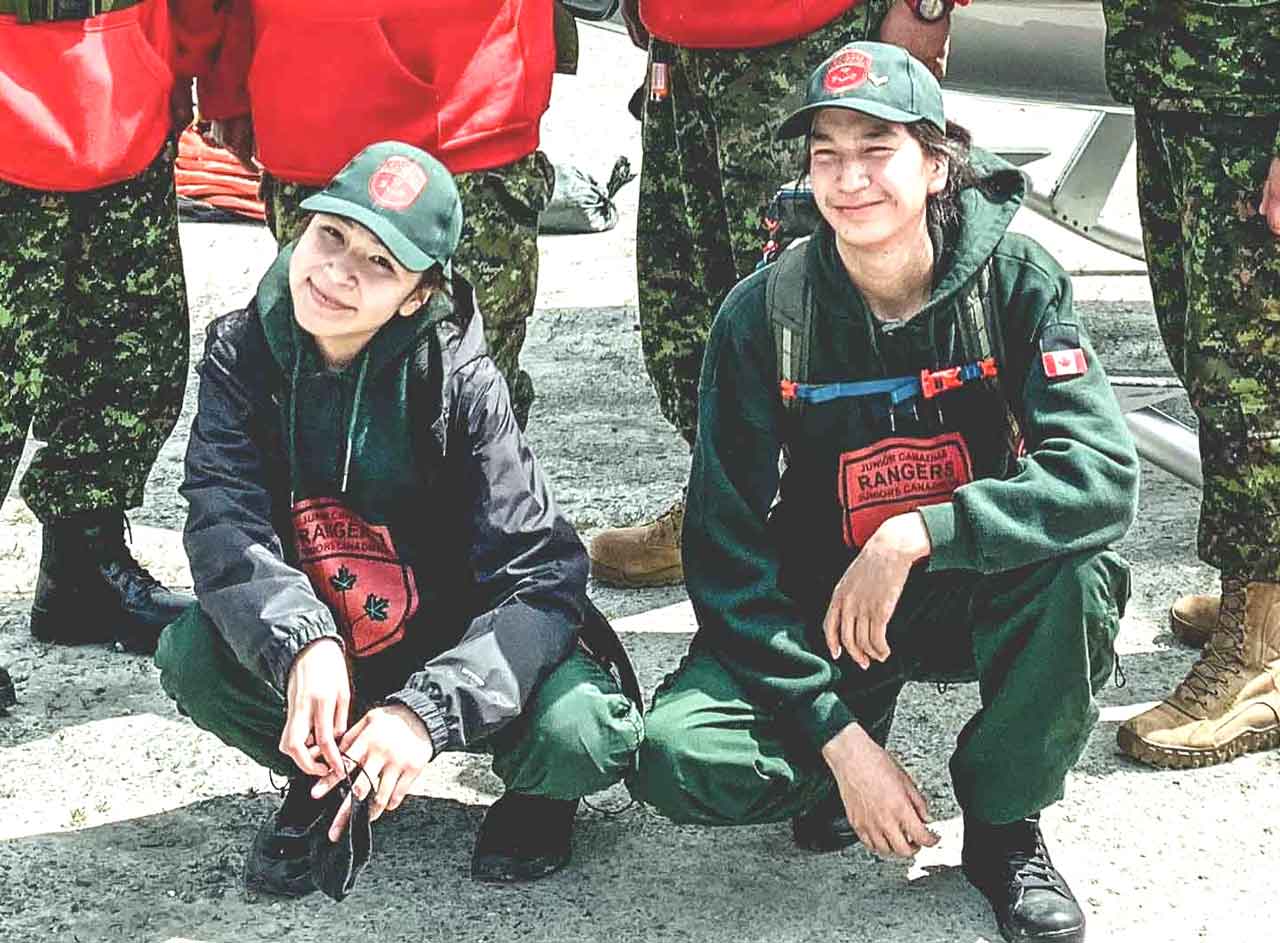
(121,821)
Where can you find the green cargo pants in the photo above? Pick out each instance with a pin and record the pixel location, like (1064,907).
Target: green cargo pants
(1215,280)
(578,733)
(497,252)
(93,338)
(1039,641)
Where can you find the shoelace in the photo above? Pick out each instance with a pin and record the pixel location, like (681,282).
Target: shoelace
(1219,664)
(1034,871)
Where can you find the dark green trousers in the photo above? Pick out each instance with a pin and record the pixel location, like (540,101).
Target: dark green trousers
(578,733)
(1038,640)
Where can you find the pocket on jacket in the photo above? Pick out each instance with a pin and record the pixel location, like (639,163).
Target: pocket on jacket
(322,91)
(102,120)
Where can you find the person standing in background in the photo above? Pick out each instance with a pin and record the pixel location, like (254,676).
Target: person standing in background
(93,306)
(722,75)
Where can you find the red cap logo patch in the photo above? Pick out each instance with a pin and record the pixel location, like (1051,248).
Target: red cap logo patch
(396,183)
(847,71)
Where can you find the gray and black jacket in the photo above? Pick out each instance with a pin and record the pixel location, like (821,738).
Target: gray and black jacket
(419,438)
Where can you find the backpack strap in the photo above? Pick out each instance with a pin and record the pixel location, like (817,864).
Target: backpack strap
(788,299)
(982,336)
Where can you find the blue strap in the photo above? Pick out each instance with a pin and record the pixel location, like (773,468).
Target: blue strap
(898,389)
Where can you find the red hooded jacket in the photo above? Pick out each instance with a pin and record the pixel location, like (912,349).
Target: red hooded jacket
(84,103)
(467,81)
(737,24)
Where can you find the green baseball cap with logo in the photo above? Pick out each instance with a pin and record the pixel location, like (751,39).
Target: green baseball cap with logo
(877,79)
(404,196)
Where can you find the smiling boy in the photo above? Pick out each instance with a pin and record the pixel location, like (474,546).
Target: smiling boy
(955,469)
(382,574)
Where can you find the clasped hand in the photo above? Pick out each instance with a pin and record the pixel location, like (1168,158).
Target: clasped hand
(390,744)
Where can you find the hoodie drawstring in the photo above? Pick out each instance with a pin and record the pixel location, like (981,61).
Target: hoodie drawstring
(292,423)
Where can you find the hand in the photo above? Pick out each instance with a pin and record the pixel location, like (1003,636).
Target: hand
(318,698)
(1270,206)
(884,806)
(928,42)
(236,135)
(862,603)
(391,744)
(635,29)
(181,110)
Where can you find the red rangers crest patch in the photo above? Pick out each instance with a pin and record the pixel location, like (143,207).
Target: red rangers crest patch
(847,71)
(897,475)
(397,182)
(355,569)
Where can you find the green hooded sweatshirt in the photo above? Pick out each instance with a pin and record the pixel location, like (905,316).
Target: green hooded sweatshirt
(760,573)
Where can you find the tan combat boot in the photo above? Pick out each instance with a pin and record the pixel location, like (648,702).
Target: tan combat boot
(1229,703)
(647,555)
(1192,618)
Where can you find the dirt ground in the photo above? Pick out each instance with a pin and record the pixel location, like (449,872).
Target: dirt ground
(120,821)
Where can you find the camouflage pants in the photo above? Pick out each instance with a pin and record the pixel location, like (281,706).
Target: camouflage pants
(1215,278)
(710,168)
(498,251)
(93,338)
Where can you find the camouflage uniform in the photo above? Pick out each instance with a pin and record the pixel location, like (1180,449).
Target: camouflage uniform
(710,167)
(93,338)
(1204,80)
(498,251)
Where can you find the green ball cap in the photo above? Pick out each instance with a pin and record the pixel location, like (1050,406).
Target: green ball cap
(404,196)
(877,79)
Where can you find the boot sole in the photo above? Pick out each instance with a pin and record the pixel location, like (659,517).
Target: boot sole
(51,626)
(670,576)
(1251,741)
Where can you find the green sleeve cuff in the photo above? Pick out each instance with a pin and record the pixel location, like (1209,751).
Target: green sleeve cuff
(824,717)
(951,547)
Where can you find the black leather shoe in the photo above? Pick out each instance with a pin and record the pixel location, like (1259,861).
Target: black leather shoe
(1010,865)
(279,858)
(825,827)
(523,838)
(91,589)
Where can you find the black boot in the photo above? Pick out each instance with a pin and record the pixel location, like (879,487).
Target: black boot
(1010,865)
(279,858)
(91,589)
(523,838)
(825,827)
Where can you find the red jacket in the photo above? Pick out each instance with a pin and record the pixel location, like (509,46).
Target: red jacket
(466,80)
(737,24)
(84,103)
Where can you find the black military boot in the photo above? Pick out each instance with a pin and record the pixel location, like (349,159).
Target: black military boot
(91,589)
(1010,865)
(279,858)
(825,827)
(523,838)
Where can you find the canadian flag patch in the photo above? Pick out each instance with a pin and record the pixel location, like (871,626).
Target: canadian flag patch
(1064,363)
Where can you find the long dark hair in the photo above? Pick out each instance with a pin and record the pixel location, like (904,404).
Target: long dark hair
(943,209)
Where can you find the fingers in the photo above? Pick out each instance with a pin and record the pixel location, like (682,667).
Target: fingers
(387,783)
(323,730)
(293,740)
(340,820)
(831,628)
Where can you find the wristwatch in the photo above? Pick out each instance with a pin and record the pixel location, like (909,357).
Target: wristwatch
(931,10)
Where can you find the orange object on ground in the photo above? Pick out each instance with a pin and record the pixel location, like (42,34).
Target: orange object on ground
(212,175)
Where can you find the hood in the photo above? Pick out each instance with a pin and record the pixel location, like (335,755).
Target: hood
(986,210)
(457,326)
